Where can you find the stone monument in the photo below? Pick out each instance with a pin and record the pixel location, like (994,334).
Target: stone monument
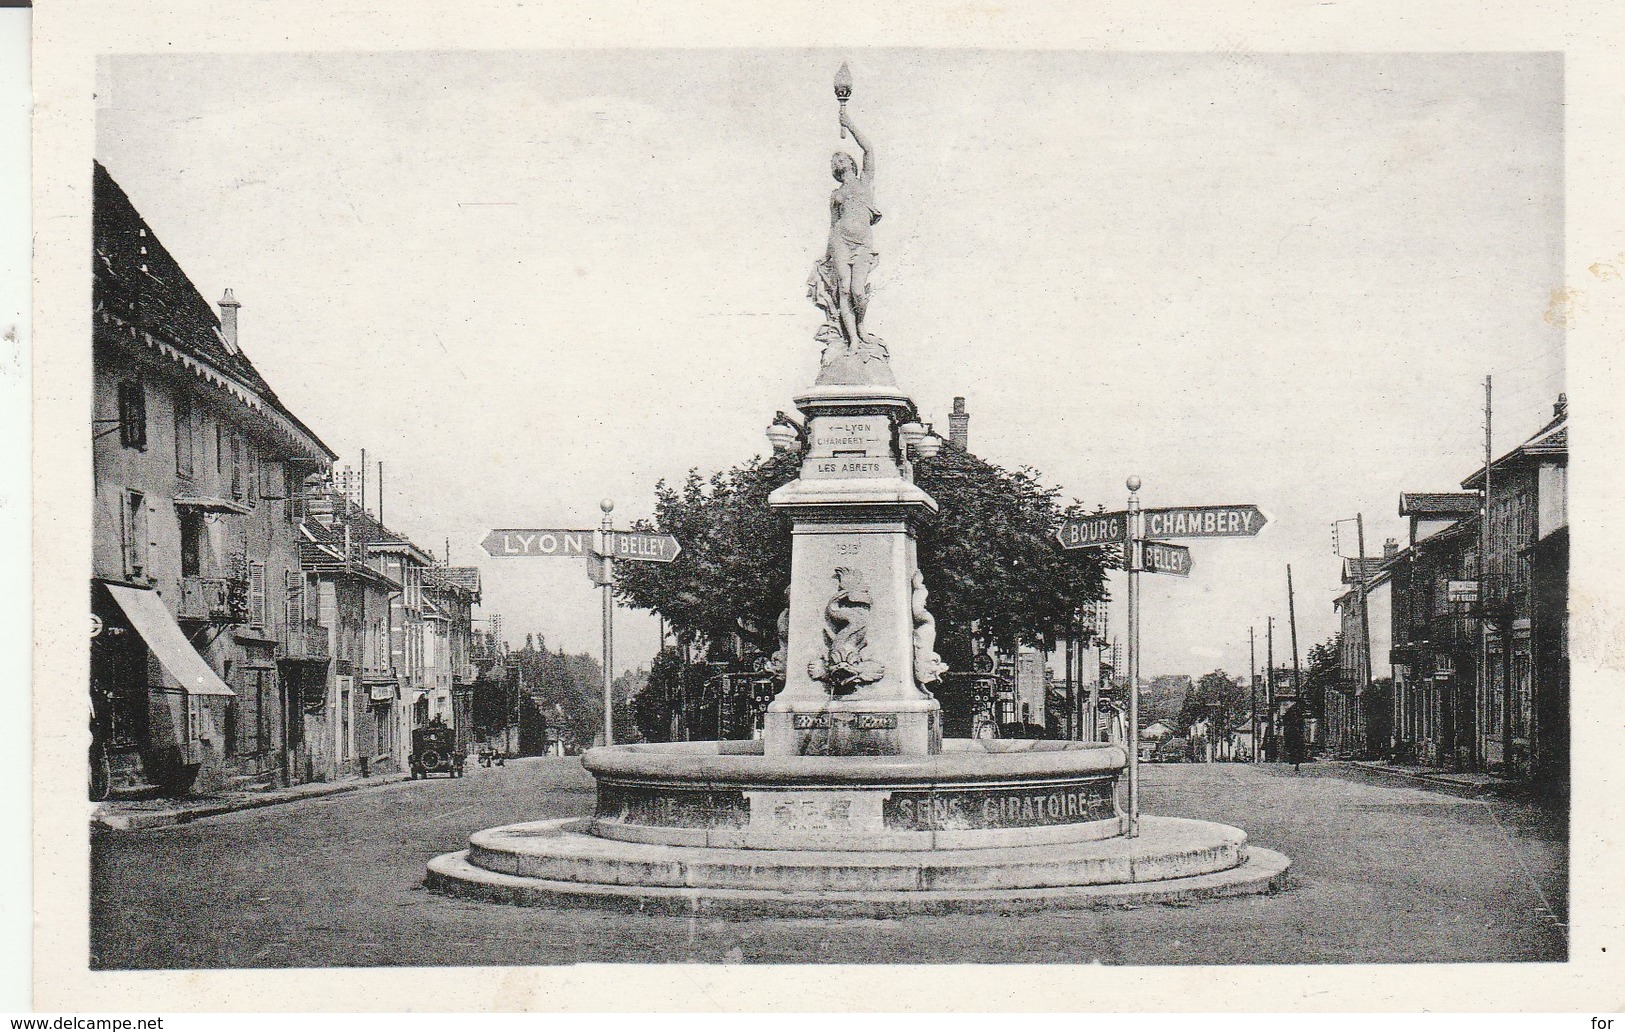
(852,802)
(852,684)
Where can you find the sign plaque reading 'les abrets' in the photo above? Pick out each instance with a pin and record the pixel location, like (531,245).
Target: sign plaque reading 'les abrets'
(849,446)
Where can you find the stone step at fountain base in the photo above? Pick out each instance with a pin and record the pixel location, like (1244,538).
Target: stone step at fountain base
(553,863)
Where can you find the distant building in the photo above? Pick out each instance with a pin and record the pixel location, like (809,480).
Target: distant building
(1453,609)
(198,671)
(1352,727)
(1525,711)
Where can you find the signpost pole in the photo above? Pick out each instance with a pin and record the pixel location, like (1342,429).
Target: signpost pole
(608,589)
(1132,562)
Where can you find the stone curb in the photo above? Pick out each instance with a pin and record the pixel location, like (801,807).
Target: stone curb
(1452,784)
(1263,872)
(144,820)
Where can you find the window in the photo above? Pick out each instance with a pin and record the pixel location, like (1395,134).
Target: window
(191,544)
(132,415)
(256,594)
(346,741)
(251,472)
(220,449)
(133,528)
(183,435)
(236,465)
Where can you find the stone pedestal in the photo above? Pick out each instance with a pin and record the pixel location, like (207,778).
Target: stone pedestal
(850,686)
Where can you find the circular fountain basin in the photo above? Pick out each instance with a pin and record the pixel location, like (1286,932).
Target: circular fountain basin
(974,794)
(984,825)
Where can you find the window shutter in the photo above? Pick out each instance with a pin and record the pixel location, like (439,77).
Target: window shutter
(256,594)
(293,604)
(183,435)
(132,415)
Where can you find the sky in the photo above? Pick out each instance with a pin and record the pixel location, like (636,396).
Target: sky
(530,281)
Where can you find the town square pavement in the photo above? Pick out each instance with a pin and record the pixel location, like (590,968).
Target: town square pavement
(1383,871)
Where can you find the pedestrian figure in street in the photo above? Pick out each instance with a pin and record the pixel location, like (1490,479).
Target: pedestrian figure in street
(1292,732)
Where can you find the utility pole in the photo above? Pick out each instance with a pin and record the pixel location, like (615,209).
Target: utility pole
(1364,684)
(1292,622)
(1269,678)
(1504,625)
(1252,687)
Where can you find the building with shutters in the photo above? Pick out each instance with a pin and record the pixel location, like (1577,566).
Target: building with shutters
(198,662)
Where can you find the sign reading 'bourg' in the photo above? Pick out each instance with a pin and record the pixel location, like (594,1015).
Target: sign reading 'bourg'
(1099,530)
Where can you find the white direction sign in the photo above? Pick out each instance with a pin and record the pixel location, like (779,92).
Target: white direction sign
(538,542)
(1204,521)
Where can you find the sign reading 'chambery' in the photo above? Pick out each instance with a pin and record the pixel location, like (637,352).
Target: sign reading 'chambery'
(1204,521)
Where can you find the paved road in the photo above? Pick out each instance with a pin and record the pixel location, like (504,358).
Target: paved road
(1383,872)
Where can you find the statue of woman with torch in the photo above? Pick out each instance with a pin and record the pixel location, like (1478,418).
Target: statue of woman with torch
(840,283)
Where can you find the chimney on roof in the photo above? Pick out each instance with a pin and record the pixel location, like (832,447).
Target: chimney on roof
(1390,548)
(959,426)
(228,320)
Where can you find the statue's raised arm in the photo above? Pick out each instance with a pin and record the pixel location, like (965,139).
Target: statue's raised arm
(868,171)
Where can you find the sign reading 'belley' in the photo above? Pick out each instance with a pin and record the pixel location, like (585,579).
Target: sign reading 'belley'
(1204,521)
(654,548)
(1160,557)
(1097,531)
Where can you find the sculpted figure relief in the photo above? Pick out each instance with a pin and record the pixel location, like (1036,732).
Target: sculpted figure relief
(844,668)
(840,282)
(928,666)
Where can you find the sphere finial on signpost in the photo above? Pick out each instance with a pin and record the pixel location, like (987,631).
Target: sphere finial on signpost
(608,505)
(1133,483)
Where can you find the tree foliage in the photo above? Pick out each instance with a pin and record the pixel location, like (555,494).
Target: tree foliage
(1220,696)
(1322,673)
(988,558)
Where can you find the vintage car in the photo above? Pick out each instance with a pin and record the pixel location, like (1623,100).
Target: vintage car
(434,751)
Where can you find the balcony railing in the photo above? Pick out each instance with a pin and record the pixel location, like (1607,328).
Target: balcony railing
(213,600)
(306,640)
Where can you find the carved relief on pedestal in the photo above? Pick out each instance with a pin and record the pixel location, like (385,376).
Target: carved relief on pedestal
(928,666)
(778,662)
(844,668)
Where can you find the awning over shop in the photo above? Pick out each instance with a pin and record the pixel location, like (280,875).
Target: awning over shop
(157,627)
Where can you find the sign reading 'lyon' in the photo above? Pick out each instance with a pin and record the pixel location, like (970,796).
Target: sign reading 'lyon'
(618,544)
(1204,521)
(538,542)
